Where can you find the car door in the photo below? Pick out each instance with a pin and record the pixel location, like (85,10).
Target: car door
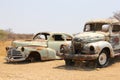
(56,41)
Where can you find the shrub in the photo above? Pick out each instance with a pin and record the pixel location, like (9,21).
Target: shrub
(3,35)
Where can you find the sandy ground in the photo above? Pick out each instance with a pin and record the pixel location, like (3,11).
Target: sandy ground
(56,70)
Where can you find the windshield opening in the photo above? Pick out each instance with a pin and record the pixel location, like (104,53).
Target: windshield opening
(41,36)
(96,27)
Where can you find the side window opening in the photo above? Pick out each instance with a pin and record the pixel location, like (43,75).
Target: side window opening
(58,37)
(68,38)
(116,28)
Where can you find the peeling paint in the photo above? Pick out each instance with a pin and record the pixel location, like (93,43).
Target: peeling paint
(44,45)
(95,39)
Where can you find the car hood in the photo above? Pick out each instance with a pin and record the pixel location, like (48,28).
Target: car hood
(89,37)
(18,43)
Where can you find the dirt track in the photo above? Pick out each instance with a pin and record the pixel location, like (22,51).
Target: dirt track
(56,70)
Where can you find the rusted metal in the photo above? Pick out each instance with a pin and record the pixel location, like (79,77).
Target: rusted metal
(44,44)
(99,41)
(79,57)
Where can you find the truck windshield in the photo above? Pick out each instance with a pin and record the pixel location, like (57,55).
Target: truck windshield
(95,27)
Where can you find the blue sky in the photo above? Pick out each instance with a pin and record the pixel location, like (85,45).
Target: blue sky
(32,16)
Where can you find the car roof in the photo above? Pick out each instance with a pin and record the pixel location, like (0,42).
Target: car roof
(111,21)
(54,33)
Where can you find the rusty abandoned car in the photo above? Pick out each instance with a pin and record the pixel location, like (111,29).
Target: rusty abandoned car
(43,47)
(99,42)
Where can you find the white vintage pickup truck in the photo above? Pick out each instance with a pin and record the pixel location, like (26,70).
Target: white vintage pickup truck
(99,42)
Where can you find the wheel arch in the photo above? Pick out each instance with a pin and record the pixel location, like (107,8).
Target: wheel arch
(108,50)
(34,54)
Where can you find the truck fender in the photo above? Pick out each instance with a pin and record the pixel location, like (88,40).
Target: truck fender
(99,46)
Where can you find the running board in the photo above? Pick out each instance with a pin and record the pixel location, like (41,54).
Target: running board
(117,54)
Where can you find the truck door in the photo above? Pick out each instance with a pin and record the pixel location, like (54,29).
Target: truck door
(115,37)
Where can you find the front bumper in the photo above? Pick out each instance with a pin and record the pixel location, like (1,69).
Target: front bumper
(79,57)
(13,59)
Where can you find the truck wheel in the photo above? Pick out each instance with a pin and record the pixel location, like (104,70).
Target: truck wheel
(103,59)
(69,62)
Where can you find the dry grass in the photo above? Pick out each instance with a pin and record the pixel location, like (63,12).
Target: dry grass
(4,44)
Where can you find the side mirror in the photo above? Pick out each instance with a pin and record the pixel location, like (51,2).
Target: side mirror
(105,28)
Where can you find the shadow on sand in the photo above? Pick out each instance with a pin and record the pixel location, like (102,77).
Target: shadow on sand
(84,66)
(88,66)
(26,62)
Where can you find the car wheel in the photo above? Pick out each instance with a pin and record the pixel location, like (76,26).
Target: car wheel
(31,59)
(103,59)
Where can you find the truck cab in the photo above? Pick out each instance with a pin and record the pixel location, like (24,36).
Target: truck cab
(99,42)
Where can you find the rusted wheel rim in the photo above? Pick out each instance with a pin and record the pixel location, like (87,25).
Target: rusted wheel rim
(102,58)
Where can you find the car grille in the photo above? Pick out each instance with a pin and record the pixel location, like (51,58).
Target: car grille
(77,47)
(14,52)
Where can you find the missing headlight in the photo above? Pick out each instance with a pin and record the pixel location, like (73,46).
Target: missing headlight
(22,49)
(92,48)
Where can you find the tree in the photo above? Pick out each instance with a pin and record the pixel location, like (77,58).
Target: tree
(117,15)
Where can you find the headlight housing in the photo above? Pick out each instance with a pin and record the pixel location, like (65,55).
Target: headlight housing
(22,49)
(92,48)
